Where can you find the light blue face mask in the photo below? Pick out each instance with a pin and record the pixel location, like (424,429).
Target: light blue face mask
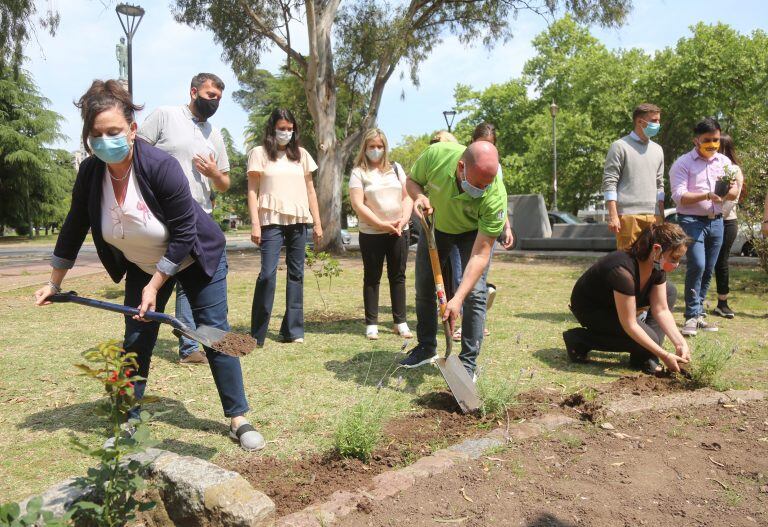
(651,129)
(110,149)
(467,187)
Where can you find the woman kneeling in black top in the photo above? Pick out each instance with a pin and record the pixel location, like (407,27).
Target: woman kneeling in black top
(622,302)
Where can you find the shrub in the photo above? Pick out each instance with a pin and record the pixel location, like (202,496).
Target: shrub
(322,265)
(708,360)
(359,431)
(10,516)
(497,396)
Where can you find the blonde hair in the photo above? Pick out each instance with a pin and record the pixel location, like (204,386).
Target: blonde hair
(443,137)
(362,160)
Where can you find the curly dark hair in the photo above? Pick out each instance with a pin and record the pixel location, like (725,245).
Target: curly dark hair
(102,96)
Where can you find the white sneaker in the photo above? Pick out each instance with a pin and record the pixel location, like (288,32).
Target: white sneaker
(706,326)
(403,330)
(372,332)
(690,328)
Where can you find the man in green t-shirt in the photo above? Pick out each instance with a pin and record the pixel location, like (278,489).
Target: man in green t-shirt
(470,207)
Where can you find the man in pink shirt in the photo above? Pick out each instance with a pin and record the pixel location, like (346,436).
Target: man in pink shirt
(693,178)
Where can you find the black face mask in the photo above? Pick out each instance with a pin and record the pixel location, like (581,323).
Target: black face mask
(206,107)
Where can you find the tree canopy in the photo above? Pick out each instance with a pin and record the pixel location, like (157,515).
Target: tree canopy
(354,47)
(713,72)
(35,180)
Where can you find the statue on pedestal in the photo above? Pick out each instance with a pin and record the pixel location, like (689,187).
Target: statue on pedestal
(121,52)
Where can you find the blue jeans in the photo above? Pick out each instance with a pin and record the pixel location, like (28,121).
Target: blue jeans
(273,237)
(208,301)
(707,235)
(474,305)
(184,313)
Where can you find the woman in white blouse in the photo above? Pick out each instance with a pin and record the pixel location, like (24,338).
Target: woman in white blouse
(282,202)
(378,196)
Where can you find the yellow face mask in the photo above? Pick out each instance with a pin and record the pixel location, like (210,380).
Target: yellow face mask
(709,149)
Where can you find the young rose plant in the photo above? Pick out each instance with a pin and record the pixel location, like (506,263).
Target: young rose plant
(112,485)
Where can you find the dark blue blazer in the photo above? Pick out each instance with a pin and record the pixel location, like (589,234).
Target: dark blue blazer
(165,190)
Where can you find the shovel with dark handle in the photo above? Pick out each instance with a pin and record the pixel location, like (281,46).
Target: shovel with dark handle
(451,367)
(225,342)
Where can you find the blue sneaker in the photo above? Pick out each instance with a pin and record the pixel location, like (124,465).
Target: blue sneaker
(418,356)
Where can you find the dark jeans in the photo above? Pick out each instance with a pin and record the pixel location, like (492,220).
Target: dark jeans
(707,235)
(601,330)
(374,249)
(273,237)
(730,230)
(208,300)
(474,305)
(187,346)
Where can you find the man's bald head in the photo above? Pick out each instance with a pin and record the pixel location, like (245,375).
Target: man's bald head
(481,160)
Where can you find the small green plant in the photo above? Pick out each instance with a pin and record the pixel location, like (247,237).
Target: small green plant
(113,484)
(11,516)
(359,431)
(322,265)
(708,361)
(497,396)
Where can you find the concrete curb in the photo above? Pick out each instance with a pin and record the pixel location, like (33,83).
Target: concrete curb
(192,492)
(389,484)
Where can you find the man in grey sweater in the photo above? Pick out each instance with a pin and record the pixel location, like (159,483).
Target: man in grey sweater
(633,178)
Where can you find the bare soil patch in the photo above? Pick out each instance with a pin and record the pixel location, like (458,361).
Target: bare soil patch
(294,484)
(702,466)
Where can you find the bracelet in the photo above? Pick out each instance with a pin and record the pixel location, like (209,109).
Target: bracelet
(56,288)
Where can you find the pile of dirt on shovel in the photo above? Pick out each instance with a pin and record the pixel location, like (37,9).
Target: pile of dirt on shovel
(293,484)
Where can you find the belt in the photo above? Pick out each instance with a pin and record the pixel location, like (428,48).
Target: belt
(715,217)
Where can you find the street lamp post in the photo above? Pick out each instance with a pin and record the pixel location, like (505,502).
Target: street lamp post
(553,110)
(449,114)
(130,17)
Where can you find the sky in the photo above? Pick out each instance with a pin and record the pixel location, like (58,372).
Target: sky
(166,55)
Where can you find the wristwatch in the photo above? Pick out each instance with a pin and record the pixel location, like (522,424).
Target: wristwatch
(56,288)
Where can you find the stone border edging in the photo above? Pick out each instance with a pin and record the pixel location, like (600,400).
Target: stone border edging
(192,492)
(389,484)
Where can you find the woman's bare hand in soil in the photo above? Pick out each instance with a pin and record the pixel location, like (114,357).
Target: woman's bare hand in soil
(673,362)
(42,294)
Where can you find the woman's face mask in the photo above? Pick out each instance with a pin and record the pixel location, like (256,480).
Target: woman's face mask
(110,149)
(664,263)
(283,136)
(374,154)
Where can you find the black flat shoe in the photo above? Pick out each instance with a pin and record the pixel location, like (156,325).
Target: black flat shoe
(576,352)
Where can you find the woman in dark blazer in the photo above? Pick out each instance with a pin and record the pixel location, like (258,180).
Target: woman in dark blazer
(146,227)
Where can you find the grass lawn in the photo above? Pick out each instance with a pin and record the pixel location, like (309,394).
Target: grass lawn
(296,391)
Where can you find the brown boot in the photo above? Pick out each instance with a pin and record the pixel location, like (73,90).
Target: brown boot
(196,357)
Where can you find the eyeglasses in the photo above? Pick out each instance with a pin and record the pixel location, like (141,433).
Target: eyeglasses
(117,221)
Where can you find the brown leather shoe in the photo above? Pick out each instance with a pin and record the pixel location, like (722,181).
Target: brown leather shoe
(196,357)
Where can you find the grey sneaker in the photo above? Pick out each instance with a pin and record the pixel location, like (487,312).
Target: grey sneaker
(724,311)
(703,325)
(248,437)
(690,328)
(418,356)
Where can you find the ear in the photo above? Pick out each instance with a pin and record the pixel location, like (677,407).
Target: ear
(134,126)
(193,93)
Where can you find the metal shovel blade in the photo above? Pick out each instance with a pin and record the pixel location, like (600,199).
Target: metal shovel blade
(205,335)
(459,382)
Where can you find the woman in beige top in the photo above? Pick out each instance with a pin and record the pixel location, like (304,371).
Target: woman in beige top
(730,231)
(282,202)
(383,207)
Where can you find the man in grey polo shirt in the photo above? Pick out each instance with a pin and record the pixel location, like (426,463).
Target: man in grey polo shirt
(633,179)
(184,132)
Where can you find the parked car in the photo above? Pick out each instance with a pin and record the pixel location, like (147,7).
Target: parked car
(558,217)
(346,238)
(741,246)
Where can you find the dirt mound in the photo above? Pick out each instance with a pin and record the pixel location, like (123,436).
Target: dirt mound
(294,484)
(654,468)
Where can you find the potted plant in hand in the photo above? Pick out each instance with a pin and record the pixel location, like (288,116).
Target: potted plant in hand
(723,184)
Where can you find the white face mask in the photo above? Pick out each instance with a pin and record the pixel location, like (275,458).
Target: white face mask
(374,154)
(283,136)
